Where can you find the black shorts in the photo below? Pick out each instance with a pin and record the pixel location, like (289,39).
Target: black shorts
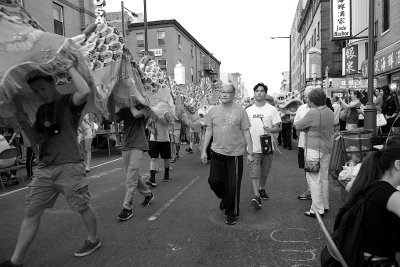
(160,148)
(300,158)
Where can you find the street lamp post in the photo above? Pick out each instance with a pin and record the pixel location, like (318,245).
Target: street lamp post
(290,57)
(370,109)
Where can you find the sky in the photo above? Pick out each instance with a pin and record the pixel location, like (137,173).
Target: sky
(236,32)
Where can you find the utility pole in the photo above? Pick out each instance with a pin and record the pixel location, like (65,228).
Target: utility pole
(146,45)
(370,109)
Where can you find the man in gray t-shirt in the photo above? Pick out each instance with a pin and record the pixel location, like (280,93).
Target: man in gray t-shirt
(226,124)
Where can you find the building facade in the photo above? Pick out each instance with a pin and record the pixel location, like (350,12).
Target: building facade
(235,79)
(312,48)
(173,44)
(64,17)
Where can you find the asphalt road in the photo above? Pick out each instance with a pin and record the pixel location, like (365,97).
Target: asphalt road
(183,226)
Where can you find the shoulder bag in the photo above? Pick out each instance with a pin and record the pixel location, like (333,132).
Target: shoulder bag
(313,166)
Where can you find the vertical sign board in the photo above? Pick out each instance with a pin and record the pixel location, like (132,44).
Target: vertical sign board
(341,19)
(350,60)
(99,11)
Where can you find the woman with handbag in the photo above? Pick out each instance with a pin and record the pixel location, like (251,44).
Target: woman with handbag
(352,110)
(318,124)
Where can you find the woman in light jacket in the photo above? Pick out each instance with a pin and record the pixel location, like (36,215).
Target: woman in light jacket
(318,124)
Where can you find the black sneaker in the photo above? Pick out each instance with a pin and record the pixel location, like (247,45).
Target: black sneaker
(125,214)
(8,263)
(305,196)
(256,202)
(88,248)
(263,194)
(150,183)
(147,200)
(230,220)
(189,150)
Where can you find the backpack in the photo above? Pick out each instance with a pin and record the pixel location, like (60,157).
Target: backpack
(348,235)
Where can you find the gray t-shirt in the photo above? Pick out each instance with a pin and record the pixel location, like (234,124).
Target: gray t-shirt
(63,147)
(134,136)
(227,126)
(319,125)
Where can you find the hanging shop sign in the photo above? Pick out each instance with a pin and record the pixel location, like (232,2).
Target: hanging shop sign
(341,19)
(313,66)
(383,63)
(157,52)
(350,60)
(99,11)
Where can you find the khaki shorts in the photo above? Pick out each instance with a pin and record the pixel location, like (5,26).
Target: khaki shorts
(48,182)
(261,166)
(176,136)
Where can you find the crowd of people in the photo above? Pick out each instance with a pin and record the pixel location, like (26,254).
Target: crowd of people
(231,136)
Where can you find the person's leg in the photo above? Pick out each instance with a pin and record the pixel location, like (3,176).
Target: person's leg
(29,161)
(87,152)
(217,175)
(28,230)
(324,172)
(314,183)
(131,160)
(153,153)
(280,137)
(234,169)
(286,135)
(255,171)
(173,152)
(266,166)
(294,133)
(90,222)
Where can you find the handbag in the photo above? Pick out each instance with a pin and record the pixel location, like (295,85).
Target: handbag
(313,166)
(380,120)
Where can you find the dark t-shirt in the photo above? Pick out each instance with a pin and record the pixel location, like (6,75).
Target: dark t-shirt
(134,136)
(63,147)
(381,227)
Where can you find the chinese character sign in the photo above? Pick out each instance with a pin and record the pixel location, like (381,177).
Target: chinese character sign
(341,19)
(351,59)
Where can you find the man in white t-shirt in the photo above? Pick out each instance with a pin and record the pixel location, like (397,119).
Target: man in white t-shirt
(301,111)
(264,119)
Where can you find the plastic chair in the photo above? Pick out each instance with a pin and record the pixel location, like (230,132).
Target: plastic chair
(9,154)
(332,248)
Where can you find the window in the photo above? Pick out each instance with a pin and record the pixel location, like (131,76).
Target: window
(366,50)
(179,42)
(191,72)
(385,15)
(162,63)
(191,50)
(58,17)
(315,37)
(161,38)
(318,30)
(21,2)
(140,39)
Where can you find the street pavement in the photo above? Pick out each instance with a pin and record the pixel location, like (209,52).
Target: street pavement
(183,226)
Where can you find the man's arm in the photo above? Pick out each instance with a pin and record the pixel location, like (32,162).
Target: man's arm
(136,113)
(82,89)
(249,143)
(207,138)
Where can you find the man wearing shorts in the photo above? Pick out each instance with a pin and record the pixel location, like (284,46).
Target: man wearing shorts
(227,123)
(264,119)
(159,145)
(134,144)
(60,168)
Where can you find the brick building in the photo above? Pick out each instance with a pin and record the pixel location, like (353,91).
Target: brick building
(312,48)
(64,17)
(171,44)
